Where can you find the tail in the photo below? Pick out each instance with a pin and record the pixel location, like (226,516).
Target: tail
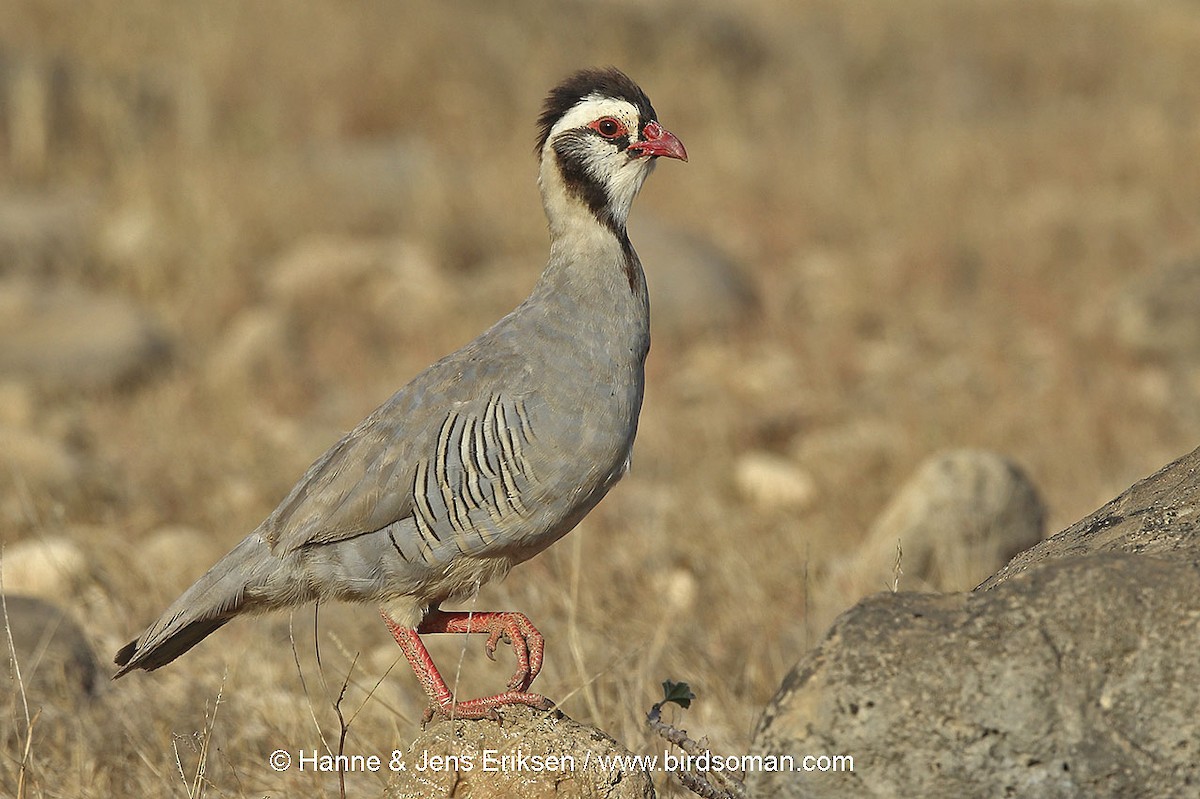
(215,598)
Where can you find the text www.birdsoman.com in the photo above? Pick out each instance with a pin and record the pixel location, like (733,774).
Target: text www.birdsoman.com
(498,761)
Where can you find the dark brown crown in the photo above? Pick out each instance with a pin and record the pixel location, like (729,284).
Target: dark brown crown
(605,82)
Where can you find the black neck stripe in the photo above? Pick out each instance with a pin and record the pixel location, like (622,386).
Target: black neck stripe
(580,183)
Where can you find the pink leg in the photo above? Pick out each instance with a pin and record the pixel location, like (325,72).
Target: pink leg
(435,687)
(527,643)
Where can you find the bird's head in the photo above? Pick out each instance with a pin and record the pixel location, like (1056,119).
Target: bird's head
(598,140)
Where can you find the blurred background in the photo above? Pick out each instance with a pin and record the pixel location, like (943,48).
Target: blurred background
(229,230)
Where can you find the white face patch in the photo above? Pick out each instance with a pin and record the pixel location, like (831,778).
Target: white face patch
(593,107)
(621,176)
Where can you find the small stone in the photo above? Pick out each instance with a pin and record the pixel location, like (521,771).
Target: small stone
(680,588)
(34,470)
(17,403)
(771,481)
(391,287)
(317,268)
(44,233)
(37,460)
(175,557)
(254,348)
(44,567)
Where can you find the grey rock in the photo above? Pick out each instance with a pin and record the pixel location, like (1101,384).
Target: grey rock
(960,517)
(44,233)
(1158,315)
(694,287)
(63,335)
(392,281)
(1158,516)
(772,481)
(255,349)
(1069,674)
(371,183)
(53,658)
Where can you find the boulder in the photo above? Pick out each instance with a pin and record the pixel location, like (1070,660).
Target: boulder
(960,517)
(1158,516)
(1069,673)
(694,287)
(54,660)
(1157,315)
(67,336)
(45,233)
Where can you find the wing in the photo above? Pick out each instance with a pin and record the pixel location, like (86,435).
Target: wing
(456,466)
(477,492)
(358,486)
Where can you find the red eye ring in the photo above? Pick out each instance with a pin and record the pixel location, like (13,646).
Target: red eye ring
(608,127)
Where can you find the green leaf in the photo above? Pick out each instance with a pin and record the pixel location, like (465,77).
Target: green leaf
(677,692)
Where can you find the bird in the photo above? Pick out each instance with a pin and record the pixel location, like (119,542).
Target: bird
(489,455)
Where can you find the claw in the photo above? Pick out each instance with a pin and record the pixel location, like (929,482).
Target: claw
(514,629)
(490,646)
(487,707)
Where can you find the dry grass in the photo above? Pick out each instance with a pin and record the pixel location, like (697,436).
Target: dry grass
(936,199)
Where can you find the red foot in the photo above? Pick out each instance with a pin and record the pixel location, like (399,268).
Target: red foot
(516,628)
(527,644)
(485,708)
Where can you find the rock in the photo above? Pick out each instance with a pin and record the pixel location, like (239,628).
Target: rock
(34,467)
(253,351)
(1074,681)
(54,658)
(133,234)
(393,278)
(17,404)
(1158,516)
(1070,673)
(694,287)
(843,453)
(569,766)
(771,481)
(45,567)
(370,184)
(175,557)
(1158,315)
(960,517)
(63,335)
(44,233)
